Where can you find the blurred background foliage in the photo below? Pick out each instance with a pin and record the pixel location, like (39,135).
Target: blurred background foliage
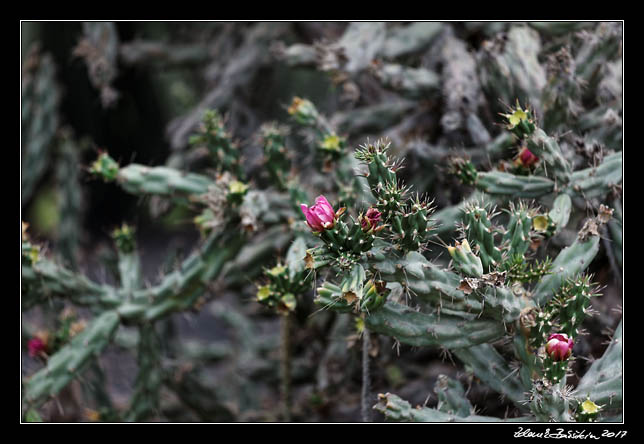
(138,90)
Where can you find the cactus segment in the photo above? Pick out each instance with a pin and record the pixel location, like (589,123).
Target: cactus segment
(141,179)
(396,409)
(145,400)
(491,368)
(517,236)
(498,183)
(426,330)
(547,148)
(560,213)
(465,260)
(569,262)
(70,360)
(595,182)
(451,397)
(478,228)
(602,383)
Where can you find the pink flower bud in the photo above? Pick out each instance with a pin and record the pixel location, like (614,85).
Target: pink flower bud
(370,220)
(36,346)
(526,158)
(320,216)
(559,346)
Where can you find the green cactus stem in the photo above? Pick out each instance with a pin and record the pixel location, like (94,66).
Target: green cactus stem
(396,409)
(451,397)
(569,262)
(426,330)
(145,400)
(40,98)
(465,260)
(478,227)
(560,212)
(547,148)
(69,361)
(492,369)
(602,382)
(516,239)
(596,182)
(213,136)
(68,181)
(141,179)
(499,183)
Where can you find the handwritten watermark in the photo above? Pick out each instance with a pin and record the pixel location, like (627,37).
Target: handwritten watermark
(568,434)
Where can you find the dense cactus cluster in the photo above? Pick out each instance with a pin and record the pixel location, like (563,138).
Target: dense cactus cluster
(475,231)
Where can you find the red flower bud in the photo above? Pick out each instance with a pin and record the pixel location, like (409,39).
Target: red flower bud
(559,346)
(320,216)
(370,220)
(36,346)
(526,158)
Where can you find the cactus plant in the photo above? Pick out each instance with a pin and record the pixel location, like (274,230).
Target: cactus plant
(456,190)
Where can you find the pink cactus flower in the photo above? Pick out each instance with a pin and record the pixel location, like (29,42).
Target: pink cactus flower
(526,158)
(36,346)
(370,220)
(559,346)
(320,216)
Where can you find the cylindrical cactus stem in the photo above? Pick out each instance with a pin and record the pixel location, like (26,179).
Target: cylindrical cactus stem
(491,368)
(465,260)
(428,329)
(461,88)
(304,112)
(213,136)
(597,181)
(67,177)
(141,179)
(381,177)
(40,98)
(410,82)
(598,48)
(509,68)
(451,397)
(571,304)
(396,409)
(183,288)
(276,156)
(285,365)
(560,212)
(129,264)
(70,360)
(516,239)
(615,227)
(547,148)
(572,260)
(45,279)
(478,228)
(145,400)
(602,382)
(446,219)
(550,402)
(365,409)
(499,183)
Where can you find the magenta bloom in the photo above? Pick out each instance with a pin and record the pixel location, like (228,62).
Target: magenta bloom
(370,220)
(36,346)
(320,216)
(559,346)
(526,158)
